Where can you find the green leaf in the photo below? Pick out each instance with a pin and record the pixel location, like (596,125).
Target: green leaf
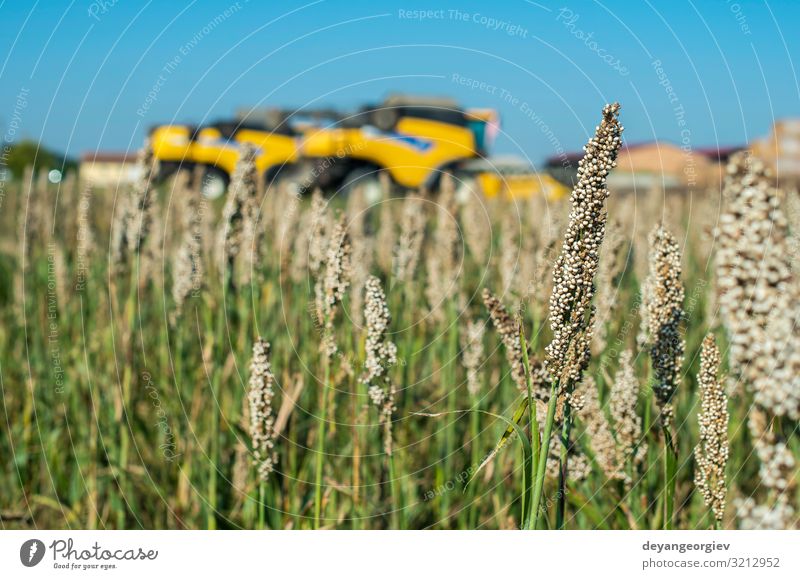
(513,427)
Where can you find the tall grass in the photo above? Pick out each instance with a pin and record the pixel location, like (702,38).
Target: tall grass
(126,399)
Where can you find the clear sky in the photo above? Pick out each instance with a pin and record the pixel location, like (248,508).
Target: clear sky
(77,75)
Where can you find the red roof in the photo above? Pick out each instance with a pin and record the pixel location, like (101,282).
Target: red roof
(719,153)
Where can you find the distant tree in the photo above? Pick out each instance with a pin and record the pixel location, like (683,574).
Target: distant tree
(27,153)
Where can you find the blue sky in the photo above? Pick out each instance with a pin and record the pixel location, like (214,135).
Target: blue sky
(77,75)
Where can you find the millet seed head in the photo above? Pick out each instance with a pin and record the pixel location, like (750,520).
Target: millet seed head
(711,454)
(262,418)
(571,310)
(662,312)
(381,355)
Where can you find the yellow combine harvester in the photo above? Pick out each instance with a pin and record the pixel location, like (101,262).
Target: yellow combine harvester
(414,140)
(216,149)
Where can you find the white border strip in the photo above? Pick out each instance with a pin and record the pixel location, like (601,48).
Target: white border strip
(415,554)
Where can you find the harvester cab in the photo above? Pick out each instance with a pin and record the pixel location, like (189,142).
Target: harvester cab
(413,140)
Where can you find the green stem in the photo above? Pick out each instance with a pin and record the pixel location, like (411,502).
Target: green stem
(262,505)
(450,380)
(396,502)
(323,423)
(562,471)
(408,342)
(528,475)
(542,463)
(212,479)
(475,459)
(127,377)
(670,461)
(211,518)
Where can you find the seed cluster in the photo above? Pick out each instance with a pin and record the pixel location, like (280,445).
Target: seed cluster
(578,465)
(777,386)
(309,241)
(133,220)
(571,310)
(241,194)
(444,255)
(287,231)
(509,258)
(318,230)
(262,418)
(540,283)
(34,212)
(386,238)
(777,464)
(623,403)
(776,473)
(759,299)
(472,353)
(598,430)
(711,454)
(85,237)
(777,461)
(141,199)
(187,268)
(508,330)
(338,270)
(612,266)
(755,517)
(337,265)
(477,228)
(409,243)
(540,389)
(661,317)
(362,255)
(381,355)
(253,236)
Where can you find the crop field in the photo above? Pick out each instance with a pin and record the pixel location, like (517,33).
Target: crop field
(426,360)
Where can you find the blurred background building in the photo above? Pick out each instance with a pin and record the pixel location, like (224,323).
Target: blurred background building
(781,149)
(107,169)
